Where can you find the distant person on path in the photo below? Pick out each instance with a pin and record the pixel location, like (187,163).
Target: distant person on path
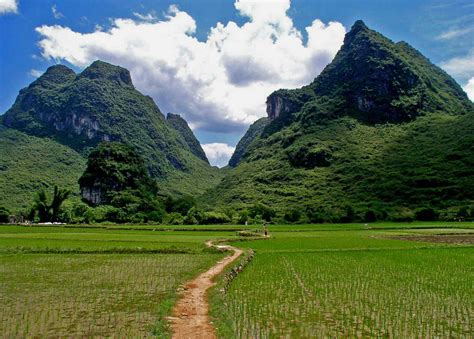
(265,229)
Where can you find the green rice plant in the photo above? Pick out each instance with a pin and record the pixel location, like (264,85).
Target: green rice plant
(85,295)
(351,284)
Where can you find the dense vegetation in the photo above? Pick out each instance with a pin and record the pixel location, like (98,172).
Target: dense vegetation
(30,164)
(254,130)
(181,126)
(381,134)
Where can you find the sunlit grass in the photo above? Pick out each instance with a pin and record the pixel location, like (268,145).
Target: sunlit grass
(351,284)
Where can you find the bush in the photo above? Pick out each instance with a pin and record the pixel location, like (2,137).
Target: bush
(4,215)
(292,216)
(180,205)
(265,212)
(350,215)
(210,218)
(426,214)
(243,217)
(155,216)
(370,216)
(174,219)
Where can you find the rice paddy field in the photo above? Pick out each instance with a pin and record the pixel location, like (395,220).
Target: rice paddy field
(388,282)
(348,280)
(83,282)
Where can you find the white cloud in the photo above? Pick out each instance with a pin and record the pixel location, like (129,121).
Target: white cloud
(218,153)
(8,6)
(454,33)
(469,89)
(35,73)
(460,66)
(57,14)
(219,84)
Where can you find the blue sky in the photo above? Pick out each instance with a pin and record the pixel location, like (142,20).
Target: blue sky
(219,102)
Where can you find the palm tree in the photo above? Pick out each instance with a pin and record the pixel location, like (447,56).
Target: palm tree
(41,205)
(46,211)
(59,195)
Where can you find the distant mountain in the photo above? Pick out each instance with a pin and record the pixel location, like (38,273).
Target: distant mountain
(101,104)
(381,129)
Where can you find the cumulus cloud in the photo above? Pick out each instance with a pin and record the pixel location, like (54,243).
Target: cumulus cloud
(57,14)
(220,84)
(469,89)
(460,66)
(218,153)
(8,6)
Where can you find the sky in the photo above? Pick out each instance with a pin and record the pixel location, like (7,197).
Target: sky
(216,61)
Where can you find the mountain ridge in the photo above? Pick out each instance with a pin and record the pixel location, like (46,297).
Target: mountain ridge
(377,130)
(101,104)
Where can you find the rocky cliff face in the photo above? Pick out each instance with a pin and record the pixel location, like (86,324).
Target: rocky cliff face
(281,104)
(93,195)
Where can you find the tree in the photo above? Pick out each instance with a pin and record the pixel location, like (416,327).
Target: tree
(370,216)
(59,196)
(113,167)
(41,206)
(426,214)
(49,211)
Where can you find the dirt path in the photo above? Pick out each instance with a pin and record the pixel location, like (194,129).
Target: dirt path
(191,313)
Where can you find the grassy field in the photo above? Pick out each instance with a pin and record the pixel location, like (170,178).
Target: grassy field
(306,280)
(82,282)
(351,283)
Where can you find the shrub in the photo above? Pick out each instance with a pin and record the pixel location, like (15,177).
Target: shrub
(4,215)
(209,218)
(292,216)
(370,216)
(265,212)
(426,214)
(243,217)
(350,215)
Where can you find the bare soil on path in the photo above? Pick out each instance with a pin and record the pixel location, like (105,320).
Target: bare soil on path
(191,313)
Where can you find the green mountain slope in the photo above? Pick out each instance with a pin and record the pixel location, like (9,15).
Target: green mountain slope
(101,104)
(30,163)
(96,105)
(243,145)
(181,126)
(380,129)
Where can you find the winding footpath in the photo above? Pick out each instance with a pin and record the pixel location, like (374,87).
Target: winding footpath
(191,313)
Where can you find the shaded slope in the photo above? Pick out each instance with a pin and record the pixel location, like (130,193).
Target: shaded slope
(242,147)
(30,163)
(181,126)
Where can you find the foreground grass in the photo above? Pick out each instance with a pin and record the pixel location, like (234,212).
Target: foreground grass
(64,282)
(317,283)
(91,295)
